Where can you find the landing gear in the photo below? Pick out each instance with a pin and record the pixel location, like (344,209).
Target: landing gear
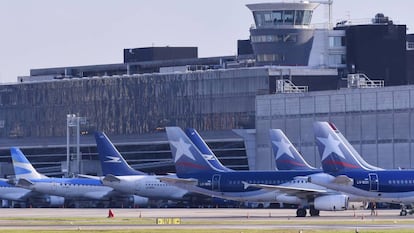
(301,212)
(403,212)
(313,211)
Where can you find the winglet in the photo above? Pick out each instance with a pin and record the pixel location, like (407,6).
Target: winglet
(112,161)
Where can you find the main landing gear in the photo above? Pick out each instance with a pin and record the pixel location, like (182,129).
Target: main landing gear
(301,212)
(404,211)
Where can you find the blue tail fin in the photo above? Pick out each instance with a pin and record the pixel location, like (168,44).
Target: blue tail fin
(112,161)
(285,154)
(205,150)
(335,155)
(23,169)
(187,157)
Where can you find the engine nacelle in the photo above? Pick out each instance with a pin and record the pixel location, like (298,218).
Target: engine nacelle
(331,202)
(56,201)
(139,201)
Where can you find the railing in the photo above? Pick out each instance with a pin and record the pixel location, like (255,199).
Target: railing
(286,86)
(362,81)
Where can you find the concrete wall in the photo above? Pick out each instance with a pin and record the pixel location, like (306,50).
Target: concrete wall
(379,123)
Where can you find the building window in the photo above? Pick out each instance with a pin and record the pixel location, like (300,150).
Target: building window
(288,38)
(270,57)
(336,41)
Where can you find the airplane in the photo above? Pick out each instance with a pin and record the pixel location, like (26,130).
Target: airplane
(123,178)
(345,173)
(68,188)
(8,191)
(196,174)
(286,156)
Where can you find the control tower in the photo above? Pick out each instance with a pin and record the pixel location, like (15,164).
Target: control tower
(282,34)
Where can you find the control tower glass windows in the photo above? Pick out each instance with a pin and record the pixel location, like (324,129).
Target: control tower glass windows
(285,38)
(307,17)
(288,17)
(282,17)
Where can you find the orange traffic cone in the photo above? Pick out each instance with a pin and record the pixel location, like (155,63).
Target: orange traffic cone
(111,214)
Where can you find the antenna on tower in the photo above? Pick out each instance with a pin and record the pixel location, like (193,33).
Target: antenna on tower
(329,4)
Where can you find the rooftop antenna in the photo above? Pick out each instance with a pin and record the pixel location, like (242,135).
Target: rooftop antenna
(329,4)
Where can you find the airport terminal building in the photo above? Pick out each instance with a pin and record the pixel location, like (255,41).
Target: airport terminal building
(287,75)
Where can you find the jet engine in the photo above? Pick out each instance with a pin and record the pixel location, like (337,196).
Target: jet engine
(139,201)
(331,202)
(56,201)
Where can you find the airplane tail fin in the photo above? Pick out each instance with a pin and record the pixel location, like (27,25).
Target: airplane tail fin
(285,154)
(187,157)
(112,161)
(354,153)
(205,150)
(335,155)
(23,169)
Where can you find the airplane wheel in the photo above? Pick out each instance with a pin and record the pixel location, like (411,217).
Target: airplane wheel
(301,212)
(314,212)
(403,213)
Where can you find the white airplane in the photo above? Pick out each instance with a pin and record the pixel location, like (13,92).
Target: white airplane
(121,177)
(69,188)
(8,191)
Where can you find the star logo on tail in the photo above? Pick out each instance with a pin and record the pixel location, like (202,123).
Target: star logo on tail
(282,148)
(182,149)
(331,146)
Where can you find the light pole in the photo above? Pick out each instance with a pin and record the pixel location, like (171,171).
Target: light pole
(73,121)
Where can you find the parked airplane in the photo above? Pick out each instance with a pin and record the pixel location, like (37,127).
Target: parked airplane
(69,188)
(392,186)
(20,196)
(121,177)
(287,157)
(198,175)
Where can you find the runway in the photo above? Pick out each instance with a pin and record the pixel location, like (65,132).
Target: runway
(208,218)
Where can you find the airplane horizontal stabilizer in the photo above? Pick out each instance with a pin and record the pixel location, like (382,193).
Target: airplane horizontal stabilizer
(89,177)
(343,180)
(111,178)
(24,183)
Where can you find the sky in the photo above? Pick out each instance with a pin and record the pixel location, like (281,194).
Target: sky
(58,33)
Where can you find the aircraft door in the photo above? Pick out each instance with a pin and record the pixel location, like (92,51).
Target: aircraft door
(373,182)
(215,185)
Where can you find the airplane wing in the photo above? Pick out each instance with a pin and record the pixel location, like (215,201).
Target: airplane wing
(178,181)
(191,185)
(299,189)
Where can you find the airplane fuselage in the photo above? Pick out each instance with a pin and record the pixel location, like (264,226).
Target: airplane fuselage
(395,186)
(71,187)
(146,186)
